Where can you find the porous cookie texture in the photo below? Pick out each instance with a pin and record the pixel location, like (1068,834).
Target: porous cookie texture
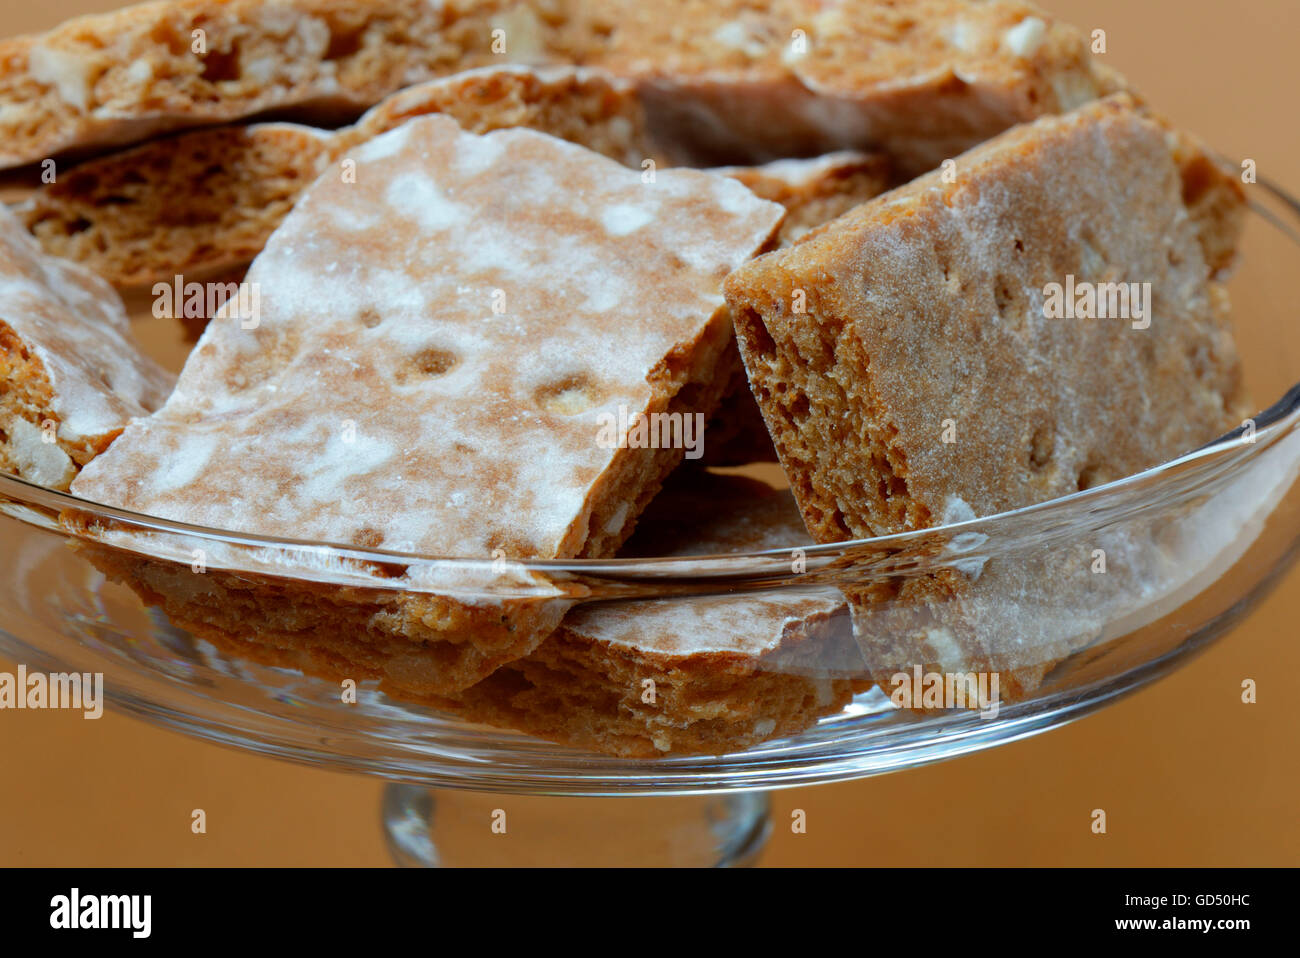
(192,205)
(813,191)
(423,376)
(914,358)
(124,76)
(71,378)
(923,81)
(671,676)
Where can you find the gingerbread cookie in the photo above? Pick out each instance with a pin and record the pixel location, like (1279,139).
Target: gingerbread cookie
(122,77)
(423,375)
(1048,318)
(70,376)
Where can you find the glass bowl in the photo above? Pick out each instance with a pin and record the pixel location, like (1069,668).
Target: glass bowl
(1073,602)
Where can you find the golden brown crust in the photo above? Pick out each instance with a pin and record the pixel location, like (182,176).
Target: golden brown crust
(884,317)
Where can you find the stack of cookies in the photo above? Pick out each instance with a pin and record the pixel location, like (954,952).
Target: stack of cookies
(490,240)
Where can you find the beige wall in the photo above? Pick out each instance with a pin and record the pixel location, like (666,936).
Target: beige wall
(1187,774)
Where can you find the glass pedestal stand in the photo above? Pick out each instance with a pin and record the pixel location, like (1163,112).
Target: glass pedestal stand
(443,827)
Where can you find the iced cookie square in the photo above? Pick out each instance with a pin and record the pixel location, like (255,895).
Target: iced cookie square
(482,346)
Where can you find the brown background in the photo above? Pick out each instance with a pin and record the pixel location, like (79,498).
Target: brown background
(1187,774)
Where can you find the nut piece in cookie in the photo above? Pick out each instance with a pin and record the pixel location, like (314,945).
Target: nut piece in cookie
(1048,318)
(448,346)
(70,376)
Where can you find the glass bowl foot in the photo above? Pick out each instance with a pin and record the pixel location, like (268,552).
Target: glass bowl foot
(428,828)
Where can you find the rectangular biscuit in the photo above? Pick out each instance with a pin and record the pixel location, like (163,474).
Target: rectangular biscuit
(923,81)
(70,376)
(450,341)
(195,205)
(912,368)
(121,77)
